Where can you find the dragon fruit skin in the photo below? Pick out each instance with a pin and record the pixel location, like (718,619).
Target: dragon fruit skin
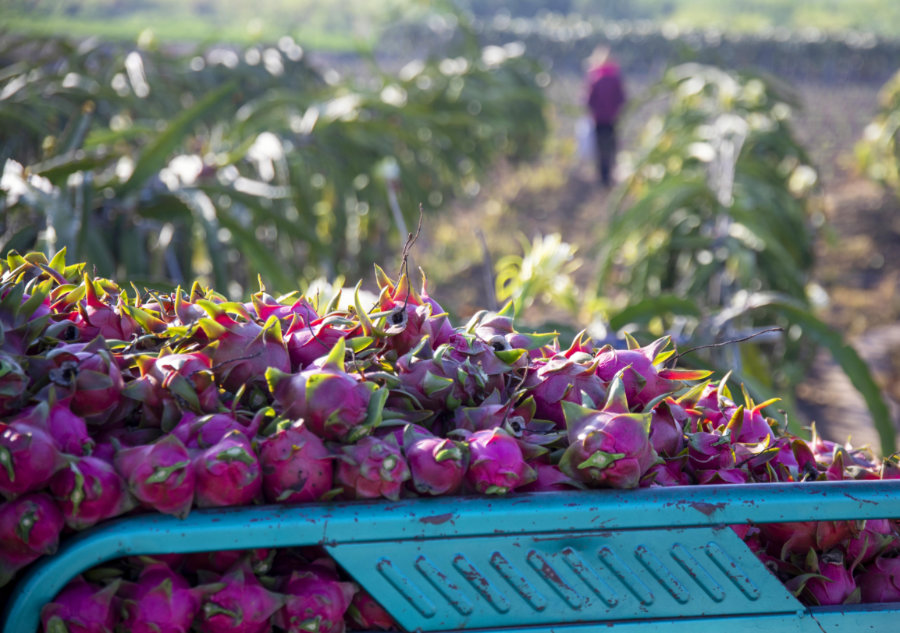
(92,375)
(549,478)
(372,468)
(836,587)
(333,403)
(296,466)
(159,475)
(206,430)
(160,600)
(667,428)
(875,536)
(68,430)
(101,318)
(880,581)
(315,600)
(561,378)
(171,381)
(308,341)
(242,605)
(366,615)
(29,458)
(89,490)
(82,607)
(242,351)
(437,466)
(227,473)
(496,462)
(607,447)
(30,526)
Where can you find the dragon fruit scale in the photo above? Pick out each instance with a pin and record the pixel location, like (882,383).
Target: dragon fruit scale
(296,466)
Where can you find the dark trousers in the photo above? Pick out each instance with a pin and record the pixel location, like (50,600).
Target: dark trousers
(605,136)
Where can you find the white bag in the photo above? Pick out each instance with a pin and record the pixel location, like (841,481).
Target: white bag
(585,145)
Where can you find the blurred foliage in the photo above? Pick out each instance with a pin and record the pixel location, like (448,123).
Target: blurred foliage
(711,241)
(227,163)
(878,153)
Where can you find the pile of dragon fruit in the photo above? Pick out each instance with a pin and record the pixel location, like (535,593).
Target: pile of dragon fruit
(122,401)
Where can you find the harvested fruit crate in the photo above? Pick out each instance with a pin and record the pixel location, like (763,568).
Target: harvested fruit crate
(642,560)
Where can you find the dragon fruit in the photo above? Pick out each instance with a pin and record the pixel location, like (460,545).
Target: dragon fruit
(366,615)
(242,605)
(90,373)
(171,382)
(561,379)
(410,315)
(550,477)
(159,475)
(296,466)
(29,528)
(220,561)
(437,466)
(90,490)
(607,447)
(833,583)
(333,403)
(880,580)
(242,351)
(315,600)
(160,600)
(82,607)
(496,462)
(667,428)
(309,340)
(28,458)
(227,473)
(871,540)
(643,380)
(372,468)
(69,431)
(206,430)
(99,318)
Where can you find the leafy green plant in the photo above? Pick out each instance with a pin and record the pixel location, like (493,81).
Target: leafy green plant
(230,164)
(878,153)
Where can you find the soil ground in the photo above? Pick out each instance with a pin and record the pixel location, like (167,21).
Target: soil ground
(858,254)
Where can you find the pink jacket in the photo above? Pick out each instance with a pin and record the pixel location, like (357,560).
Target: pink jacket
(606,95)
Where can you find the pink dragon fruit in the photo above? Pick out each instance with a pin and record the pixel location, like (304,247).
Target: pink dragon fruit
(871,540)
(69,431)
(834,583)
(220,561)
(91,373)
(880,580)
(28,458)
(315,600)
(204,431)
(372,468)
(801,536)
(411,315)
(643,380)
(29,528)
(242,605)
(159,475)
(710,451)
(227,473)
(264,305)
(496,462)
(564,379)
(172,381)
(296,466)
(82,607)
(437,466)
(100,318)
(669,473)
(333,403)
(667,428)
(607,447)
(90,490)
(242,351)
(309,340)
(366,615)
(160,600)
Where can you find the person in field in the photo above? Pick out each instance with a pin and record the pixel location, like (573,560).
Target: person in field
(605,98)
